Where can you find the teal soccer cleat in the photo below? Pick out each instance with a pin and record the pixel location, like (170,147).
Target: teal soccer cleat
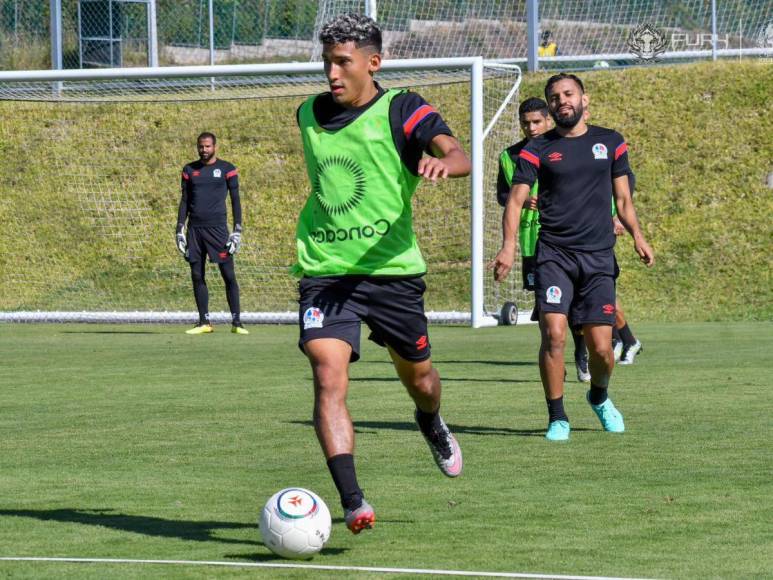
(558,431)
(611,419)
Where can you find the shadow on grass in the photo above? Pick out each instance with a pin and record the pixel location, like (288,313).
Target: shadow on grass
(149,526)
(442,380)
(108,332)
(260,557)
(373,426)
(439,361)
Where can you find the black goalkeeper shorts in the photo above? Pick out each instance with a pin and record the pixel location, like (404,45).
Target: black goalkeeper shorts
(209,241)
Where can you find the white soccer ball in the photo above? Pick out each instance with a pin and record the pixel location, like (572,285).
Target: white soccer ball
(295,523)
(601,64)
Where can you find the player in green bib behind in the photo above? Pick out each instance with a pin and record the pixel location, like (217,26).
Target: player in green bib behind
(358,258)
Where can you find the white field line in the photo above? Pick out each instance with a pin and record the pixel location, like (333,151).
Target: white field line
(371,569)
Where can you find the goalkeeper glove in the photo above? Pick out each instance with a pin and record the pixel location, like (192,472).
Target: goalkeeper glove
(234,240)
(182,244)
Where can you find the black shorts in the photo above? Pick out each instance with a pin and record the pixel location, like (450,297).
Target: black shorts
(528,265)
(209,241)
(393,309)
(580,285)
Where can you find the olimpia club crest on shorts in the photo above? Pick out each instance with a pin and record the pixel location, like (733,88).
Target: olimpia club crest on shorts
(339,184)
(313,318)
(553,295)
(599,151)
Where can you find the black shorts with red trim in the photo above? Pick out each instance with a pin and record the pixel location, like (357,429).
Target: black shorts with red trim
(580,285)
(393,309)
(209,241)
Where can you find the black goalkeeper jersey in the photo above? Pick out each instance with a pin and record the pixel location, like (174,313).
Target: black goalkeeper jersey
(575,185)
(204,189)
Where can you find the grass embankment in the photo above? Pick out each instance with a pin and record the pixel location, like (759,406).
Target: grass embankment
(89,196)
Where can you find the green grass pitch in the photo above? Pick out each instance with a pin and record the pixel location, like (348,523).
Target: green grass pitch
(143,442)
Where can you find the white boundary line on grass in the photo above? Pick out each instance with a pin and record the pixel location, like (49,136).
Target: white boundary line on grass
(308,567)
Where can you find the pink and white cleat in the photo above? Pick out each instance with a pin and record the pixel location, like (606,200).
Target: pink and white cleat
(445,449)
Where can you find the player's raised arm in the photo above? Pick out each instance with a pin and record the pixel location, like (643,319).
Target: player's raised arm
(627,215)
(503,262)
(449,159)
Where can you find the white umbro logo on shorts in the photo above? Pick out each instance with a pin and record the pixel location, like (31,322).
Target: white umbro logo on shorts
(553,295)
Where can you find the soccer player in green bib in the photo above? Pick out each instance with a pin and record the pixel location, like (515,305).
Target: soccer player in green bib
(357,252)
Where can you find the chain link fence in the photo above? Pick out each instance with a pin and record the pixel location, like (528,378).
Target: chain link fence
(614,32)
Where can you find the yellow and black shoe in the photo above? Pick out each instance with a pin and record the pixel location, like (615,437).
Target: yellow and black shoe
(200,329)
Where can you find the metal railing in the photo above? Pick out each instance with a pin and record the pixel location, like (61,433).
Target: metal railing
(41,34)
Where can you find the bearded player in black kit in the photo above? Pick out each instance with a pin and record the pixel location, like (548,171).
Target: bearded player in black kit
(204,185)
(579,167)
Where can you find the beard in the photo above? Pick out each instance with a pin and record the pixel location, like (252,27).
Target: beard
(569,121)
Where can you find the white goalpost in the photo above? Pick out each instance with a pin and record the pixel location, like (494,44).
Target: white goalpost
(96,206)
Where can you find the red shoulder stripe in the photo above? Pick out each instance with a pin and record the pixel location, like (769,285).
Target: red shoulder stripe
(416,118)
(530,157)
(622,148)
(230,174)
(186,177)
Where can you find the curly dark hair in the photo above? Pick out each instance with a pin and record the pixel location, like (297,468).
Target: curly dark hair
(351,27)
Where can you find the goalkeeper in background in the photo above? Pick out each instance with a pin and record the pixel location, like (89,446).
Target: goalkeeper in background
(204,185)
(357,251)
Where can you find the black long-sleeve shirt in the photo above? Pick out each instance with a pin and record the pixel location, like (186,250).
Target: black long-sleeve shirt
(203,192)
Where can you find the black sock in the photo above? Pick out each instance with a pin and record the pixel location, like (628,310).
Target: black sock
(428,421)
(200,291)
(556,410)
(627,335)
(579,345)
(597,395)
(342,469)
(616,334)
(228,273)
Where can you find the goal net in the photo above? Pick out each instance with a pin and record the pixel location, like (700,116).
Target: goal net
(91,187)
